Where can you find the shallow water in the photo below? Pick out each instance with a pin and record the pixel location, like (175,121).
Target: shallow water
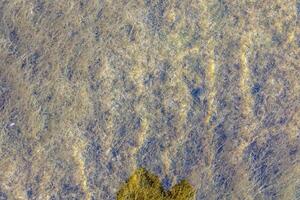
(205,91)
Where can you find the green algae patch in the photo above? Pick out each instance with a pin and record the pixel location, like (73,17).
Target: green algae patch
(181,191)
(143,185)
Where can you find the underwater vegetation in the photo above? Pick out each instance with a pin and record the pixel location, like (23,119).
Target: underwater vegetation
(206,91)
(143,185)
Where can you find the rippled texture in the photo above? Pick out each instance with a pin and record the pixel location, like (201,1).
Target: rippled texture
(206,91)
